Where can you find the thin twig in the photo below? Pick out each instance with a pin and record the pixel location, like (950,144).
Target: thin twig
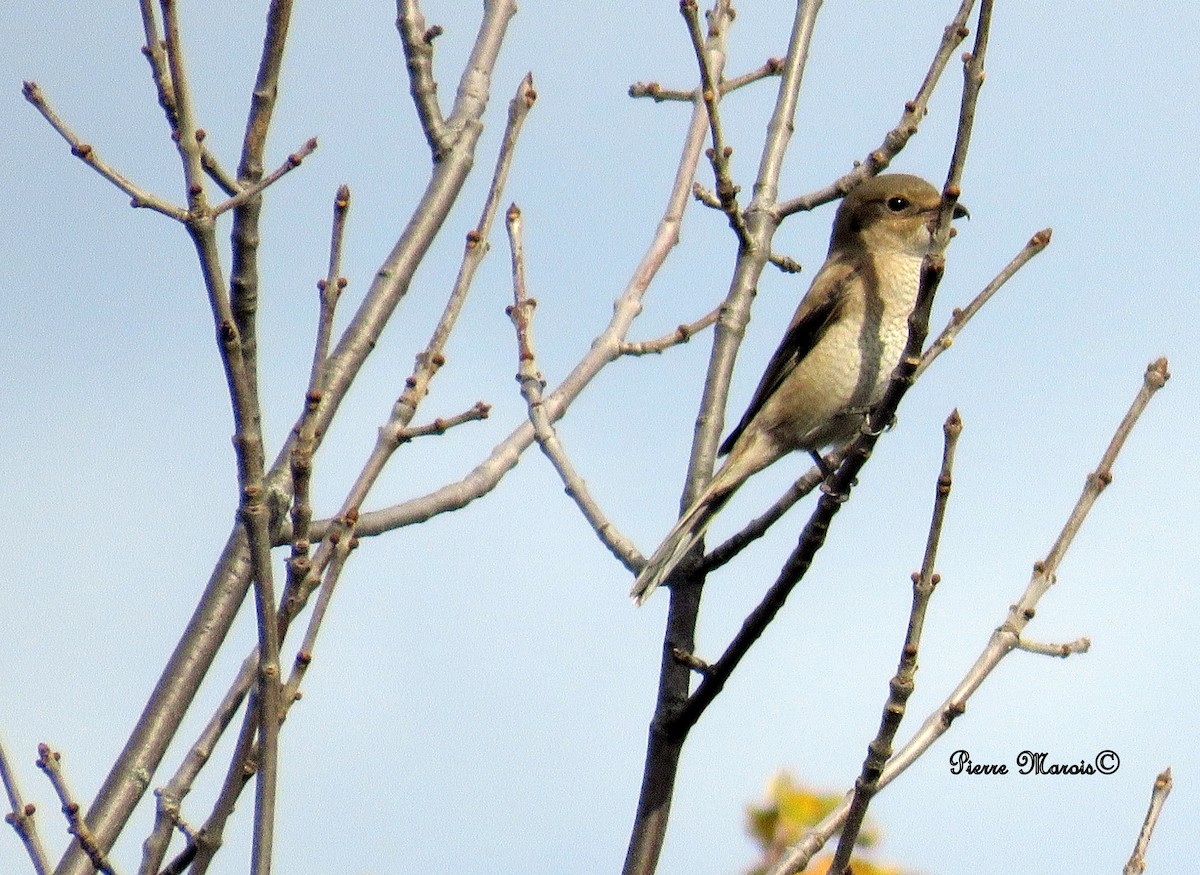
(170,796)
(772,67)
(254,189)
(155,54)
(138,197)
(304,655)
(49,761)
(719,154)
(330,290)
(903,683)
(895,139)
(1002,642)
(248,438)
(785,263)
(532,384)
(667,734)
(207,841)
(417,41)
(659,94)
(226,588)
(973,76)
(477,411)
(225,180)
(961,317)
(682,334)
(1162,789)
(1067,648)
(157,58)
(246,233)
(757,527)
(20,818)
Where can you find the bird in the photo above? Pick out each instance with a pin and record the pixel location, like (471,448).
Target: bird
(837,354)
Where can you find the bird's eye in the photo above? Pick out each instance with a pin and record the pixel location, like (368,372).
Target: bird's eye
(897,204)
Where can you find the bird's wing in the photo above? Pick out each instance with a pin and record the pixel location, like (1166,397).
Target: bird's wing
(819,308)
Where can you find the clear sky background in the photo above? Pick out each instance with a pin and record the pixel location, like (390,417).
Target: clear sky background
(482,687)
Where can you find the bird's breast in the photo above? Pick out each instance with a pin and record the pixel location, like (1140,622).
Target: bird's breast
(847,370)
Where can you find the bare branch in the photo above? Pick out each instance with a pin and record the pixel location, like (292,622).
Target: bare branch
(330,289)
(417,41)
(155,53)
(973,76)
(604,349)
(785,263)
(170,796)
(1002,642)
(757,527)
(960,318)
(706,197)
(1079,645)
(532,384)
(243,274)
(20,818)
(897,138)
(682,334)
(49,761)
(659,94)
(248,439)
(156,56)
(138,197)
(225,180)
(207,840)
(667,731)
(903,683)
(304,655)
(720,153)
(256,188)
(226,588)
(1162,789)
(440,426)
(772,67)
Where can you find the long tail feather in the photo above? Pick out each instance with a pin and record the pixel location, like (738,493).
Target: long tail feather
(679,541)
(750,454)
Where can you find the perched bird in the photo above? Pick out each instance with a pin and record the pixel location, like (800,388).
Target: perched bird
(836,356)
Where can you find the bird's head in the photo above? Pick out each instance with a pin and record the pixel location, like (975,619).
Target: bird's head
(892,213)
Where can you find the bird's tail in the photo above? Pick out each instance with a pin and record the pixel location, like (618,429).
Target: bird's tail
(679,540)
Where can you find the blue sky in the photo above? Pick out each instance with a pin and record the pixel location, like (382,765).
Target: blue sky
(482,687)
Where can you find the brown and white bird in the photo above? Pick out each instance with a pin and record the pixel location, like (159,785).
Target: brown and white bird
(835,358)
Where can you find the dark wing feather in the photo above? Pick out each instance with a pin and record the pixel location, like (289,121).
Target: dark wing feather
(819,308)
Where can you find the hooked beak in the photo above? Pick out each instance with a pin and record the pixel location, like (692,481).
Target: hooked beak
(960,211)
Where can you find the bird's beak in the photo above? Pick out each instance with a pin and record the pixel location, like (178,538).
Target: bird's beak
(960,211)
